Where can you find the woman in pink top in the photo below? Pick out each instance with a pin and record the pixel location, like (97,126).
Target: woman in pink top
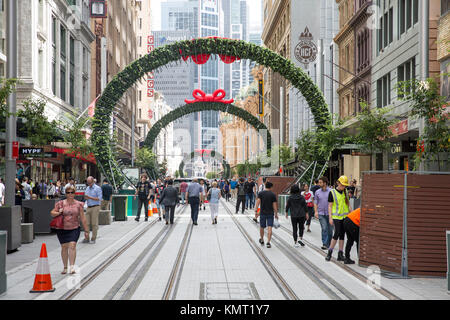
(72,210)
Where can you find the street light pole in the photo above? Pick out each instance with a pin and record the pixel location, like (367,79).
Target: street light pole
(11,73)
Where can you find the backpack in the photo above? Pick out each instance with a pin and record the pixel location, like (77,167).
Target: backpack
(241,191)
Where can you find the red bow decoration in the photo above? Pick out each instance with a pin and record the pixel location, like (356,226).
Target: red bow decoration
(217,96)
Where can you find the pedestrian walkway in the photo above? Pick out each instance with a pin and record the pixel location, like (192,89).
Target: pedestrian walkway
(218,262)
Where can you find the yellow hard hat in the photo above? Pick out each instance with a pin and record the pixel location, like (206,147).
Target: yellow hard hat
(344,181)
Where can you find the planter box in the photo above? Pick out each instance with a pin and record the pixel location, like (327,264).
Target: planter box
(3,240)
(40,214)
(10,219)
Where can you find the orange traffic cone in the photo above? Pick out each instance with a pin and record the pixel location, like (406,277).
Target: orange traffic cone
(155,210)
(150,211)
(43,280)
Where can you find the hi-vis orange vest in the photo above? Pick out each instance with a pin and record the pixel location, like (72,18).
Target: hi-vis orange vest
(355,216)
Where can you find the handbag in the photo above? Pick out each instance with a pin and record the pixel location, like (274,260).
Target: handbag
(57,222)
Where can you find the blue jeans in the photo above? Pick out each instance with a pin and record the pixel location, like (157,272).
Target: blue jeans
(182,197)
(327,230)
(194,202)
(250,200)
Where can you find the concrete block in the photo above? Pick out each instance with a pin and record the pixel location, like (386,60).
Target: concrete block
(104,217)
(27,233)
(10,220)
(3,246)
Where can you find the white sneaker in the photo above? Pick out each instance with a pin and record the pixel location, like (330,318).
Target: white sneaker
(296,245)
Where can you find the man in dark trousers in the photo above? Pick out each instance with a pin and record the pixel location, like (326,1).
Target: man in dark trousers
(241,195)
(268,201)
(143,191)
(194,194)
(169,199)
(107,191)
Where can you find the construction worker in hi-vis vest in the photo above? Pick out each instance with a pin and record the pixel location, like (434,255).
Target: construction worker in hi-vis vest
(339,207)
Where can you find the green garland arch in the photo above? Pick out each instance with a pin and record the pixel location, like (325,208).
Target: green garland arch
(204,106)
(161,56)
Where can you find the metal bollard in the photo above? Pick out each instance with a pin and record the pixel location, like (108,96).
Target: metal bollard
(3,249)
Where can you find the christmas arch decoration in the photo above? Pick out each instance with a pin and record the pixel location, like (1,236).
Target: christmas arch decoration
(161,56)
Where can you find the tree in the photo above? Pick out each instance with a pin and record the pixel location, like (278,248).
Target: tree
(146,160)
(374,132)
(40,132)
(318,145)
(76,136)
(163,168)
(211,175)
(7,86)
(427,103)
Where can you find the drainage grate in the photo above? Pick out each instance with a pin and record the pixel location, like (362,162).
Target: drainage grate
(228,291)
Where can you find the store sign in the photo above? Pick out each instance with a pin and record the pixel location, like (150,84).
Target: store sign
(306,50)
(80,189)
(31,151)
(400,128)
(15,150)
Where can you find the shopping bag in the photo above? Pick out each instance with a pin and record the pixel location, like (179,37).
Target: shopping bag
(276,224)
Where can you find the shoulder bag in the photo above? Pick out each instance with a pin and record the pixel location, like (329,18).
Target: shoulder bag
(58,221)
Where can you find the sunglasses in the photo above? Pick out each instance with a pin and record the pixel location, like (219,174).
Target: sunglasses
(70,192)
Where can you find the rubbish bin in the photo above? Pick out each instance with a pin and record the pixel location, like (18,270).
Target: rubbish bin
(282,200)
(3,240)
(132,204)
(118,207)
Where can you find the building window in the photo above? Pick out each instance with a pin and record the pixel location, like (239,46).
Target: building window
(72,72)
(406,72)
(386,30)
(408,14)
(445,6)
(384,91)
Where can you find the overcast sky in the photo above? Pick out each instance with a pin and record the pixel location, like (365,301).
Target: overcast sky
(254,8)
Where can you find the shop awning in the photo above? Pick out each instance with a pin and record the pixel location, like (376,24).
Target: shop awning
(90,158)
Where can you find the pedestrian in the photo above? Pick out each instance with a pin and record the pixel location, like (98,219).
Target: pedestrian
(339,207)
(93,196)
(107,191)
(351,227)
(51,190)
(27,188)
(261,186)
(72,211)
(226,190)
(315,187)
(268,202)
(194,194)
(321,211)
(309,197)
(71,183)
(42,190)
(143,194)
(204,188)
(214,196)
(20,194)
(2,192)
(183,187)
(170,199)
(159,189)
(233,184)
(250,194)
(351,189)
(241,195)
(358,189)
(299,213)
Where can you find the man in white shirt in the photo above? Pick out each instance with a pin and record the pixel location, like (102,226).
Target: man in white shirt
(26,189)
(2,193)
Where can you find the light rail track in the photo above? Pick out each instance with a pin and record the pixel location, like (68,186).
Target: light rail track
(85,281)
(281,283)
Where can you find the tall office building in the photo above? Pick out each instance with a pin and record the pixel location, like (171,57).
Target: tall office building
(202,18)
(236,26)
